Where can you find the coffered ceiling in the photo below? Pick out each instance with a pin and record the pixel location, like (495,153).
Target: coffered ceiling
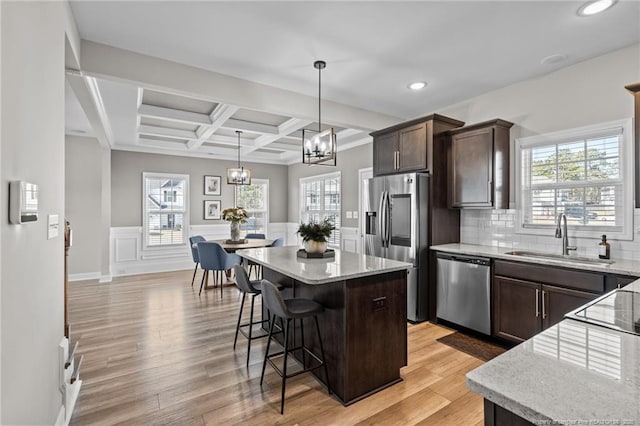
(373,50)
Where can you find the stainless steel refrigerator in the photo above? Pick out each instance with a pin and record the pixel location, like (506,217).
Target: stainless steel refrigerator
(396,227)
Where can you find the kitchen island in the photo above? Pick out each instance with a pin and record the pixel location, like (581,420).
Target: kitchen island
(572,373)
(364,325)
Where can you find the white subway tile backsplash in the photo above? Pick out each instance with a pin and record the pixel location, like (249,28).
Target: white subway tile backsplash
(497,228)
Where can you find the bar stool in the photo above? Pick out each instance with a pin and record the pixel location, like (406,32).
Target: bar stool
(287,310)
(254,289)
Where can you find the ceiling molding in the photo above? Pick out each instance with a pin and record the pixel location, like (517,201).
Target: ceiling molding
(218,117)
(284,129)
(171,114)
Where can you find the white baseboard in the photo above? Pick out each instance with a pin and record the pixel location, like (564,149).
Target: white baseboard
(85,276)
(61,419)
(105,278)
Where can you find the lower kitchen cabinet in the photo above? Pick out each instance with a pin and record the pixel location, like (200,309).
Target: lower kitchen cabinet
(557,301)
(523,308)
(516,310)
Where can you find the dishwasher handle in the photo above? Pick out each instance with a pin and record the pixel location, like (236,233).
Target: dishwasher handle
(481,261)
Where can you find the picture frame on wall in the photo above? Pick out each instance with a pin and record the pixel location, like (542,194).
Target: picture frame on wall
(212,209)
(212,185)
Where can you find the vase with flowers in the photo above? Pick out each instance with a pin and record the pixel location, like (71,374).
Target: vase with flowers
(314,235)
(235,215)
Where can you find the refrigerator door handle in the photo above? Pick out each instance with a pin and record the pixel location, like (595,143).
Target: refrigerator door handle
(381,218)
(387,219)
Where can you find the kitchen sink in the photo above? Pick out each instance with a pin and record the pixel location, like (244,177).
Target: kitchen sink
(552,256)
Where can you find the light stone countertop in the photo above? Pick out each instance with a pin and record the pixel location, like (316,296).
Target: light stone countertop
(344,266)
(622,267)
(571,373)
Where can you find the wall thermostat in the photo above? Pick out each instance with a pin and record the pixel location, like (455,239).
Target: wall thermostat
(23,202)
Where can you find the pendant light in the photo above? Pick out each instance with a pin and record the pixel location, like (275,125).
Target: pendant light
(319,147)
(239,175)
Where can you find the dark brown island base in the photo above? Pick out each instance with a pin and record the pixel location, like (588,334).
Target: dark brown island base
(364,324)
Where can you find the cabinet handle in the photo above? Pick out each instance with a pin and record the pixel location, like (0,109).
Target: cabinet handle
(395,165)
(544,313)
(537,303)
(398,156)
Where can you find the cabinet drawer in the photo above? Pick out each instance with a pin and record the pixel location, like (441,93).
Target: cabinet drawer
(579,280)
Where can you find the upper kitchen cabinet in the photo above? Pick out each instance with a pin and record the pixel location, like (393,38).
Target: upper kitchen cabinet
(479,166)
(409,147)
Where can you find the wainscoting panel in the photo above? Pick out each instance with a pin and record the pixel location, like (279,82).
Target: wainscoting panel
(128,257)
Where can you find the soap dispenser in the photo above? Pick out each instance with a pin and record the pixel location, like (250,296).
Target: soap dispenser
(604,248)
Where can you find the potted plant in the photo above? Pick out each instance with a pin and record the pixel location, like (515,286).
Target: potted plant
(235,215)
(314,235)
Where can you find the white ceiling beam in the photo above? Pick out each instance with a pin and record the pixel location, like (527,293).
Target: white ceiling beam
(284,129)
(249,126)
(171,114)
(218,117)
(88,95)
(165,132)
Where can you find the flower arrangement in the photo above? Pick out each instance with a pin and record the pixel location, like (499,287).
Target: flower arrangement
(235,215)
(313,231)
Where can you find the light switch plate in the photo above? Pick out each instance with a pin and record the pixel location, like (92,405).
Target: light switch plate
(355,214)
(349,215)
(53,223)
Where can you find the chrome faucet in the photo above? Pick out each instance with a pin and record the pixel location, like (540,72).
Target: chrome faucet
(561,232)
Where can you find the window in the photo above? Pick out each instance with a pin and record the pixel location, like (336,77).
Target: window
(582,173)
(319,199)
(165,209)
(255,199)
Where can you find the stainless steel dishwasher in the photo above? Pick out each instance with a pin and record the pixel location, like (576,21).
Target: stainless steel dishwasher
(464,291)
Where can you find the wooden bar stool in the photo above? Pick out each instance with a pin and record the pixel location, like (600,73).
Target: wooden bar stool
(287,310)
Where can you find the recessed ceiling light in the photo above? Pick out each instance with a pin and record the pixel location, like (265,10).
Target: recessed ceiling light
(594,7)
(418,85)
(553,59)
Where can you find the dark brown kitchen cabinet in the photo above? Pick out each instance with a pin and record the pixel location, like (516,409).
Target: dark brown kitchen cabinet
(530,298)
(479,166)
(522,309)
(409,147)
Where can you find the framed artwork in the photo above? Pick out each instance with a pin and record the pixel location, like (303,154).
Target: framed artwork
(212,209)
(212,185)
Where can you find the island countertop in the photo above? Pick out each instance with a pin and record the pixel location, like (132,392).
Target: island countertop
(344,266)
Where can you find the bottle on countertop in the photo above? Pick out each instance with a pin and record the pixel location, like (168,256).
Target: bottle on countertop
(604,248)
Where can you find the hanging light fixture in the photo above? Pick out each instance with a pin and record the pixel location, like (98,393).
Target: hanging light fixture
(239,175)
(319,147)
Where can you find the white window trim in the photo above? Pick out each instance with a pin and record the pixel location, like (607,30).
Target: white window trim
(266,218)
(145,215)
(306,179)
(626,165)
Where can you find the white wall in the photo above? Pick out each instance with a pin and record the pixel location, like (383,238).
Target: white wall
(587,93)
(83,204)
(32,148)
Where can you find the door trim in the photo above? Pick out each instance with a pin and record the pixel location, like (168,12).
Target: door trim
(365,173)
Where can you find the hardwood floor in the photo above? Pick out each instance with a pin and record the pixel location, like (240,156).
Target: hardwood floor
(156,353)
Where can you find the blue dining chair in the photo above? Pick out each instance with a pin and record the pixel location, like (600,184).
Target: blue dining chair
(254,265)
(214,258)
(194,253)
(278,242)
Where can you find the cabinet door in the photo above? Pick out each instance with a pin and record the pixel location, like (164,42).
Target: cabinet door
(472,169)
(412,145)
(516,310)
(556,302)
(385,148)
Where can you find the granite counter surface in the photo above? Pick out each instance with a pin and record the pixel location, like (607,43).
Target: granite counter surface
(571,373)
(345,265)
(622,267)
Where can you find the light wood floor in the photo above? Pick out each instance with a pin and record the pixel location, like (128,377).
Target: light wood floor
(156,353)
